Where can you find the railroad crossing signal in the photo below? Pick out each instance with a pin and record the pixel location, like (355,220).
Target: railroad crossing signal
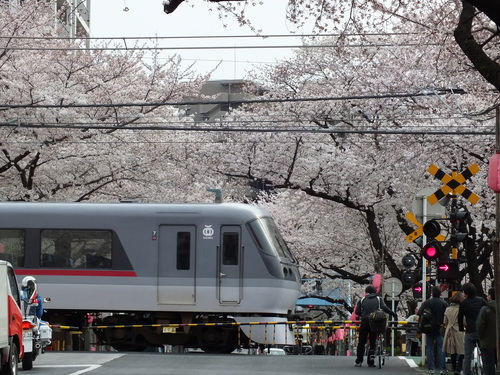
(453,184)
(420,229)
(432,250)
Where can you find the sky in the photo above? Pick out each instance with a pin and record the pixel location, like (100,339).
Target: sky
(145,18)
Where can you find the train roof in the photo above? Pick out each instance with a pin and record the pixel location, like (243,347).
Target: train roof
(132,209)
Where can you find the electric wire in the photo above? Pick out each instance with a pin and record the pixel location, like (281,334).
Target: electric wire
(187,48)
(248,129)
(242,101)
(254,36)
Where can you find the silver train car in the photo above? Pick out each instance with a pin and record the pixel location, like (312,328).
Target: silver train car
(155,264)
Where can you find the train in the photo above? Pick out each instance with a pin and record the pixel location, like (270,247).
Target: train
(146,266)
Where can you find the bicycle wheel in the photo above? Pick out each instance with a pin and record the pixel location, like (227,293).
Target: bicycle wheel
(379,352)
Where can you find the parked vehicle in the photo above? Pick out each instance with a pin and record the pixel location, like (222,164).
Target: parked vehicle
(11,332)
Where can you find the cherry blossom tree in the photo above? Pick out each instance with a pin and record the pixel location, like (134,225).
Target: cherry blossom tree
(69,114)
(472,23)
(339,143)
(346,166)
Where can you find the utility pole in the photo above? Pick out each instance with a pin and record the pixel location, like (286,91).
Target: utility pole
(496,241)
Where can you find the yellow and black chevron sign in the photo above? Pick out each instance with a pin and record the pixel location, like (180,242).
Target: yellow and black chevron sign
(453,184)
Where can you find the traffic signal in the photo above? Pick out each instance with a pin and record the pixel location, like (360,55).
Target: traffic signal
(459,231)
(432,229)
(432,251)
(417,290)
(448,270)
(408,261)
(408,278)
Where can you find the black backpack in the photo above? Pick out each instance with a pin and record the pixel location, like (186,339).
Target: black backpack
(427,322)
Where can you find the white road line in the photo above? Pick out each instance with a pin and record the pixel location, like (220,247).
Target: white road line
(410,361)
(87,369)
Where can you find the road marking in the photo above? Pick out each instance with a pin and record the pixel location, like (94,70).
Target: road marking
(410,361)
(87,369)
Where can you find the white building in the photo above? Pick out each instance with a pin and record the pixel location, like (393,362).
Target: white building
(72,16)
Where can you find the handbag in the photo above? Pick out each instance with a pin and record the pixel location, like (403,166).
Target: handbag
(378,320)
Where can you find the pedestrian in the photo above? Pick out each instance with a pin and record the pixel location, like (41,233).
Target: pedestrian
(412,335)
(486,330)
(368,304)
(433,337)
(453,342)
(469,309)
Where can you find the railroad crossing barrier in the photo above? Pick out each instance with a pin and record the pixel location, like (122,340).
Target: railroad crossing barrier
(315,330)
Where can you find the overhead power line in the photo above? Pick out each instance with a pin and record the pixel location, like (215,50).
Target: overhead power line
(205,47)
(246,129)
(431,92)
(253,36)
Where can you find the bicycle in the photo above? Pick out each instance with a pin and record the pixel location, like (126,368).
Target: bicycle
(477,360)
(379,354)
(379,327)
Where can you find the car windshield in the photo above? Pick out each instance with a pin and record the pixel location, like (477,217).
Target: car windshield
(269,239)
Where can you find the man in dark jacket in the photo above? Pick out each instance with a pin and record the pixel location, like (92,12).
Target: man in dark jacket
(368,304)
(486,330)
(469,309)
(434,340)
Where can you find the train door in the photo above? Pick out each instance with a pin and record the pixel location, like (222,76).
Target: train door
(230,265)
(176,264)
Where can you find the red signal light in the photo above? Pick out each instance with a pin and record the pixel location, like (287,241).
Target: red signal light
(432,251)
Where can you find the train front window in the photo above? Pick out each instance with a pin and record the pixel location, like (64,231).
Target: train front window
(63,248)
(12,246)
(269,239)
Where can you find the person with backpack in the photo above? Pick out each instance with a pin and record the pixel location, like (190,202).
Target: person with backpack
(486,330)
(431,314)
(368,304)
(469,309)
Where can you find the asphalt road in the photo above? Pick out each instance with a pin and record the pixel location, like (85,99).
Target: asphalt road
(77,363)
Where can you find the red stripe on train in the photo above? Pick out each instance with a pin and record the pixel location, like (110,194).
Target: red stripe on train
(52,272)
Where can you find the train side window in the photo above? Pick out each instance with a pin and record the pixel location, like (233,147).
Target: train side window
(12,245)
(61,248)
(230,248)
(183,250)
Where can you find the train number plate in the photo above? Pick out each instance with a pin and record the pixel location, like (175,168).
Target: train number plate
(168,329)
